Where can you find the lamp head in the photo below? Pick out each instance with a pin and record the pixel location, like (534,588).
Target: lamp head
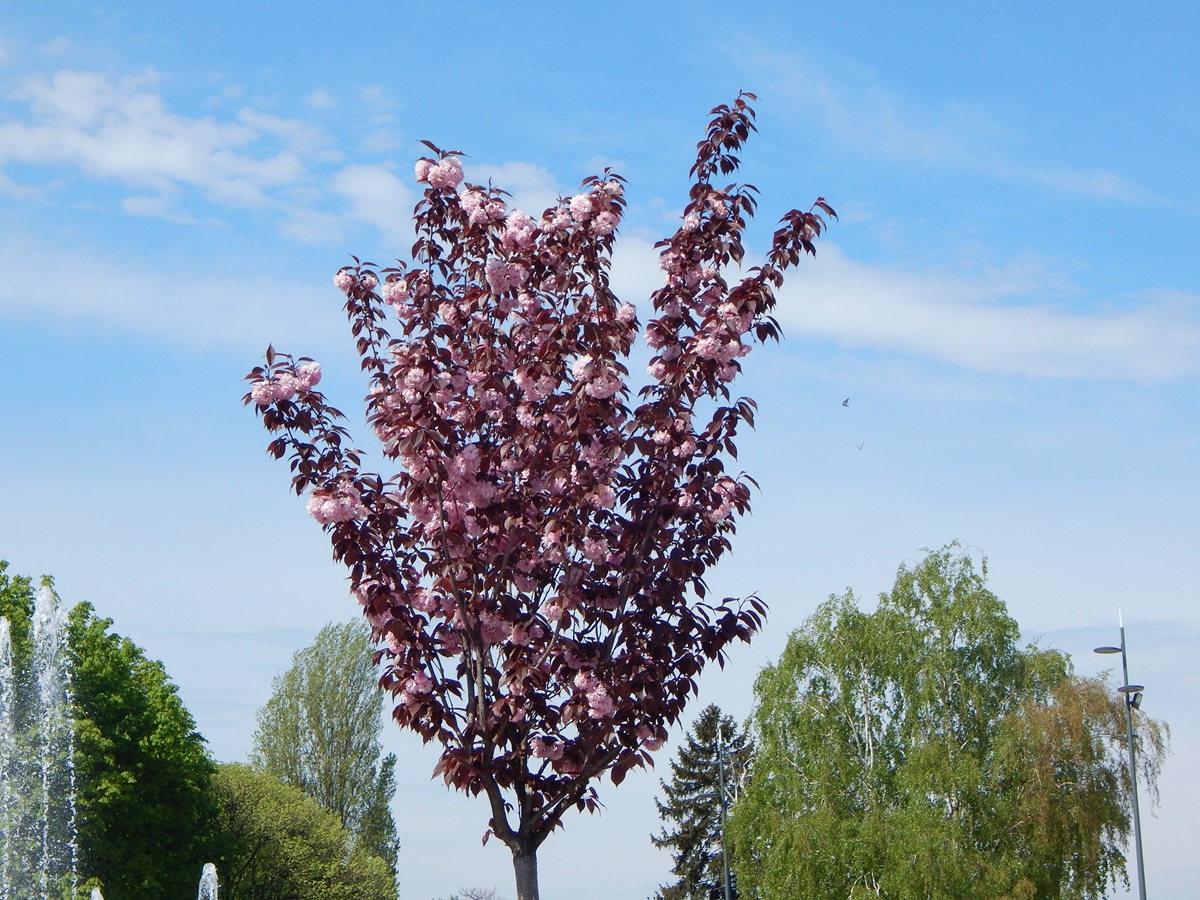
(1107,650)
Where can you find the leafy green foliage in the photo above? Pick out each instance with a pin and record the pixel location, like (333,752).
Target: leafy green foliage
(282,845)
(918,751)
(693,804)
(143,772)
(319,732)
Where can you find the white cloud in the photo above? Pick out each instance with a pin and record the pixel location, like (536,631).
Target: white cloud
(9,188)
(57,46)
(377,197)
(311,226)
(993,322)
(121,130)
(190,308)
(381,140)
(533,187)
(320,99)
(378,97)
(1002,320)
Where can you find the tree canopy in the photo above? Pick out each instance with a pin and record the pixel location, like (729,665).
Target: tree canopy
(320,729)
(143,771)
(280,844)
(536,566)
(145,816)
(918,751)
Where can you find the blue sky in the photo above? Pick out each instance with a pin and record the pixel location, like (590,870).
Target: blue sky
(1011,301)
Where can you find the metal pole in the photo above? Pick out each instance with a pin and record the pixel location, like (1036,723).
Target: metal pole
(721,783)
(1137,819)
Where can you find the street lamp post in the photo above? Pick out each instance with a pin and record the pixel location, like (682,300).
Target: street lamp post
(1132,694)
(724,810)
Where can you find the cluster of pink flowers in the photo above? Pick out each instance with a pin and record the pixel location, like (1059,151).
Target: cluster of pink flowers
(418,686)
(503,277)
(598,380)
(649,740)
(520,231)
(338,504)
(344,280)
(396,292)
(546,748)
(727,492)
(480,209)
(556,220)
(285,385)
(600,701)
(445,175)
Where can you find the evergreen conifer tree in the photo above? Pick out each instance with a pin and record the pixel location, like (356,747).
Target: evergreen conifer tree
(716,754)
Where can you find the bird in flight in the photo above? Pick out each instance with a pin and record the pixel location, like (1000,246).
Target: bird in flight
(846,402)
(860,446)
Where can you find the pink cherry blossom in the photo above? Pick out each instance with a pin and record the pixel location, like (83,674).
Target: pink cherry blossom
(519,231)
(546,748)
(263,393)
(503,277)
(424,600)
(649,740)
(395,291)
(344,280)
(600,703)
(446,175)
(605,223)
(309,375)
(582,368)
(283,386)
(422,169)
(339,504)
(556,220)
(582,207)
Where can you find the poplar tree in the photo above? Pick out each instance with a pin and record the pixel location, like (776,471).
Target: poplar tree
(319,732)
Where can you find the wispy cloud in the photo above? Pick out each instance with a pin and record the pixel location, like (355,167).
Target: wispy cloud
(875,121)
(121,130)
(1004,320)
(533,187)
(245,311)
(378,198)
(320,99)
(189,169)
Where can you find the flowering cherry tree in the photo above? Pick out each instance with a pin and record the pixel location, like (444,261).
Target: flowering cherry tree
(535,569)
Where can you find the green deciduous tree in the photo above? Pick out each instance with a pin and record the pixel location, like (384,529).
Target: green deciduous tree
(319,732)
(918,751)
(143,771)
(282,845)
(693,805)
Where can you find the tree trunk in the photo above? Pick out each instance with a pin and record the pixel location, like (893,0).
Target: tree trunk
(525,866)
